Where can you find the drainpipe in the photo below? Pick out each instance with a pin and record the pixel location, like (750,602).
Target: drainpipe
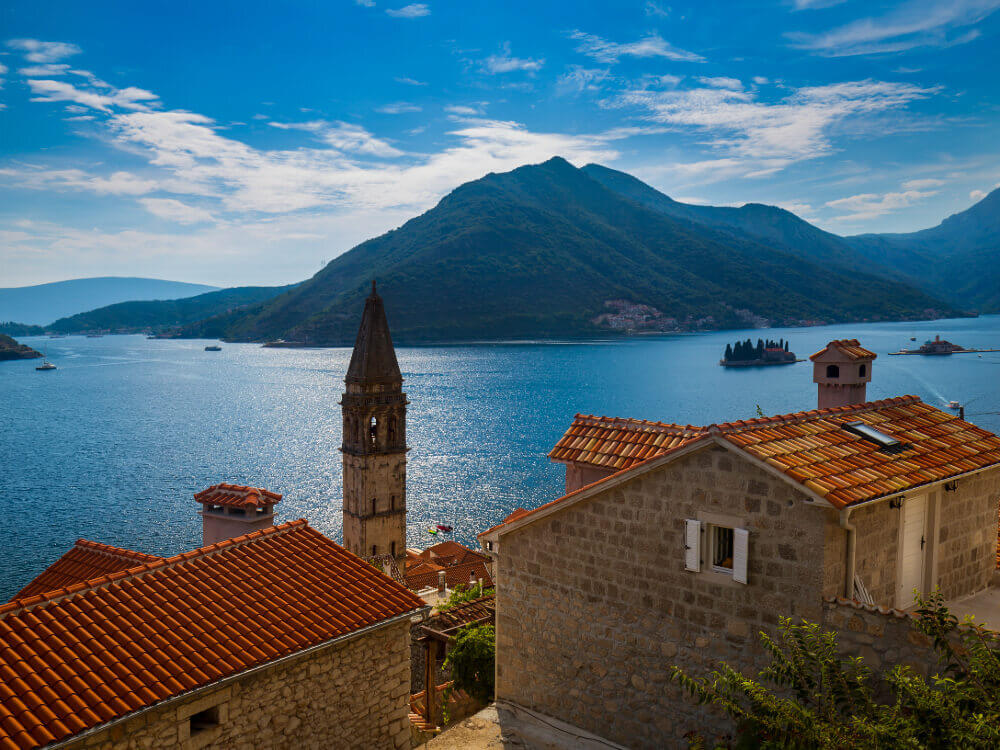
(851,530)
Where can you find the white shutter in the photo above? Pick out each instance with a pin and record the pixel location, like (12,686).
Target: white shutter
(692,545)
(741,549)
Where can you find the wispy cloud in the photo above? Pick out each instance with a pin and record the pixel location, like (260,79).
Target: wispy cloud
(344,137)
(720,82)
(173,210)
(916,23)
(507,63)
(656,9)
(46,90)
(365,3)
(867,206)
(578,78)
(118,183)
(398,108)
(462,110)
(815,4)
(410,81)
(37,51)
(413,10)
(652,45)
(3,71)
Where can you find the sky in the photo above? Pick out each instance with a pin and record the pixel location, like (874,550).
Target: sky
(250,143)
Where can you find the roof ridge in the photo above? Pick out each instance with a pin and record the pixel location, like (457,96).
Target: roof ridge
(631,421)
(110,549)
(805,416)
(27,604)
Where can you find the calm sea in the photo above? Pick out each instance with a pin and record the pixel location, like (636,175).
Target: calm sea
(113,444)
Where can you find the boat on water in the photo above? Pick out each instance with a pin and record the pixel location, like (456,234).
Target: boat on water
(213,348)
(913,338)
(46,365)
(95,335)
(954,405)
(433,531)
(444,527)
(282,344)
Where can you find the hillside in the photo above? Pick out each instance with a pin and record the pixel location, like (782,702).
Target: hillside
(11,349)
(158,315)
(44,303)
(547,250)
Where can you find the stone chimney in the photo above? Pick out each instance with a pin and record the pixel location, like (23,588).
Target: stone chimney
(231,510)
(441,582)
(841,372)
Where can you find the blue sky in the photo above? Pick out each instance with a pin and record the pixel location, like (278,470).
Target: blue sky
(247,143)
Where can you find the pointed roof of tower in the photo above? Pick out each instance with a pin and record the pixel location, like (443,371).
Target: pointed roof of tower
(374,358)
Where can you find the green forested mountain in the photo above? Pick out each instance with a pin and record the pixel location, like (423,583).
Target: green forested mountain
(157,315)
(548,250)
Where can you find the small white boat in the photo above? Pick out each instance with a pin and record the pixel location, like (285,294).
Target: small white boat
(954,405)
(46,365)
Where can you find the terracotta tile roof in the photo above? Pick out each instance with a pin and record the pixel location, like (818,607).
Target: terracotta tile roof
(816,450)
(96,651)
(850,348)
(616,444)
(444,554)
(85,560)
(455,575)
(237,495)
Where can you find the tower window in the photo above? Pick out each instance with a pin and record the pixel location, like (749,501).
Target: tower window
(392,547)
(392,502)
(862,371)
(373,432)
(391,436)
(374,505)
(374,550)
(833,371)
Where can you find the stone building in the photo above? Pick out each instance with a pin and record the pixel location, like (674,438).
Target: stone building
(696,538)
(278,638)
(374,447)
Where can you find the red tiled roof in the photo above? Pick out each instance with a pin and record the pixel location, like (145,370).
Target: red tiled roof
(850,348)
(454,575)
(96,651)
(85,560)
(616,444)
(815,450)
(447,621)
(237,495)
(444,554)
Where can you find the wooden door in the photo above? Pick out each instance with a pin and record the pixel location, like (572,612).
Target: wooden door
(913,545)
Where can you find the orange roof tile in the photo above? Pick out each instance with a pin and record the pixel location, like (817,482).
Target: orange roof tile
(95,651)
(814,449)
(851,348)
(443,554)
(454,575)
(447,621)
(237,495)
(85,560)
(616,444)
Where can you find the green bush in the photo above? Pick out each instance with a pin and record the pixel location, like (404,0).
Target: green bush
(472,660)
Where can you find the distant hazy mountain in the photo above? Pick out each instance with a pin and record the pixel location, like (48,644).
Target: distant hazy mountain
(158,315)
(552,250)
(958,260)
(42,304)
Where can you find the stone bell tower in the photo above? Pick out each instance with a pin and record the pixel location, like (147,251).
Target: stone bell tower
(374,448)
(841,373)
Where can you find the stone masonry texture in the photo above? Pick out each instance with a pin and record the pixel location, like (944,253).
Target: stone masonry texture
(349,695)
(594,604)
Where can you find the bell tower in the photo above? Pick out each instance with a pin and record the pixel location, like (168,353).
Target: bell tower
(374,447)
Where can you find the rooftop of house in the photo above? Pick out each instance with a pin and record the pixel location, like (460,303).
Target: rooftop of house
(459,563)
(95,651)
(237,496)
(83,561)
(446,623)
(613,443)
(844,455)
(850,348)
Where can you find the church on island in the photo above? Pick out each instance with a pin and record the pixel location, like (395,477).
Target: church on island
(269,634)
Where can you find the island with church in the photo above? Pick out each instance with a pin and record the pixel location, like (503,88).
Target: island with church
(748,354)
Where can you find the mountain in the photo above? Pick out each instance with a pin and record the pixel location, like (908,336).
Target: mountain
(548,250)
(158,315)
(11,349)
(958,260)
(44,303)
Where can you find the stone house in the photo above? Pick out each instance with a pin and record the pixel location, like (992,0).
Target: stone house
(697,538)
(278,638)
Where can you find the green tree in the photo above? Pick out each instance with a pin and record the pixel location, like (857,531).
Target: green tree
(461,594)
(471,660)
(810,696)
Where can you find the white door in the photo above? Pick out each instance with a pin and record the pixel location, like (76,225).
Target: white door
(914,543)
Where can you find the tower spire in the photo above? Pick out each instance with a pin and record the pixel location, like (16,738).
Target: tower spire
(374,358)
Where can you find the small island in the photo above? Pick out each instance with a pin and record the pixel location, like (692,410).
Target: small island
(939,347)
(10,349)
(746,354)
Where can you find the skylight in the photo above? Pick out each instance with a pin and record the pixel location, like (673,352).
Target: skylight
(867,431)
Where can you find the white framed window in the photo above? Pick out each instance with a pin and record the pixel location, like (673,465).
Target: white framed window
(725,546)
(721,546)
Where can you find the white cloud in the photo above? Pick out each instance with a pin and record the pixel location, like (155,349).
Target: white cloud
(764,136)
(760,80)
(410,81)
(916,23)
(414,10)
(46,90)
(977,195)
(43,71)
(802,210)
(173,210)
(505,63)
(871,205)
(923,184)
(578,78)
(344,137)
(398,108)
(118,183)
(37,51)
(734,84)
(3,70)
(815,4)
(366,3)
(651,45)
(462,110)
(655,9)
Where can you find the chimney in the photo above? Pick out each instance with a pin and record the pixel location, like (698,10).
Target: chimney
(842,372)
(441,583)
(231,510)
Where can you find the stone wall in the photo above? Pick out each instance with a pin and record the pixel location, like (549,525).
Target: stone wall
(595,605)
(350,695)
(967,535)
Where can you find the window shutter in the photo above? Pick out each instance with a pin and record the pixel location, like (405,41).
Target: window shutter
(741,549)
(692,545)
